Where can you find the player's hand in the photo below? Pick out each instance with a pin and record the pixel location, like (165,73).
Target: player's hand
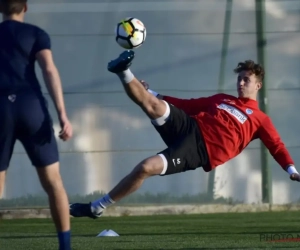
(146,85)
(295,177)
(66,128)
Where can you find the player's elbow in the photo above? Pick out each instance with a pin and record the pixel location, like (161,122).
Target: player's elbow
(49,70)
(50,74)
(276,148)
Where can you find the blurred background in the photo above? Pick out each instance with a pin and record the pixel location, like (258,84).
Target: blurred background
(191,49)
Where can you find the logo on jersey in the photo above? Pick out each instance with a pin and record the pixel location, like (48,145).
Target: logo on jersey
(233,111)
(249,111)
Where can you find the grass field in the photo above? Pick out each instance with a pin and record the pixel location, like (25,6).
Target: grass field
(205,231)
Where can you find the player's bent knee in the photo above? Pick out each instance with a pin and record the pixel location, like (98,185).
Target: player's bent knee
(165,113)
(152,166)
(143,170)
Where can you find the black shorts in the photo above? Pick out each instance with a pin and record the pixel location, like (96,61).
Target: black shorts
(186,147)
(27,119)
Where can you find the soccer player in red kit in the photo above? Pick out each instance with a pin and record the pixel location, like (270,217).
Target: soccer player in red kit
(204,132)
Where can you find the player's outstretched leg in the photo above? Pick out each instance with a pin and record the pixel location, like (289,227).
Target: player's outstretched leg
(152,106)
(154,165)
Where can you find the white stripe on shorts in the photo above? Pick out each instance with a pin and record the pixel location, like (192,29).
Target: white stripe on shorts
(165,164)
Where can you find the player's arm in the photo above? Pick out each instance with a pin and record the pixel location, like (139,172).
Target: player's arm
(190,106)
(52,80)
(271,139)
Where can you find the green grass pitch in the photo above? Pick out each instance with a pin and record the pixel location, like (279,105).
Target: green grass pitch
(274,230)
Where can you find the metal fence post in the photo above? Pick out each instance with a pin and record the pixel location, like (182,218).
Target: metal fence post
(261,58)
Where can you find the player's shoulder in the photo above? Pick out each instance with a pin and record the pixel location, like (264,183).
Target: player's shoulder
(28,29)
(21,29)
(223,96)
(263,116)
(260,116)
(35,28)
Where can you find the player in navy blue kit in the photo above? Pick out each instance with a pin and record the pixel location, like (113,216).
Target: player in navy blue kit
(24,112)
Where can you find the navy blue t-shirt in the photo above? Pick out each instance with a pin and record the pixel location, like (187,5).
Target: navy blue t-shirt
(19,44)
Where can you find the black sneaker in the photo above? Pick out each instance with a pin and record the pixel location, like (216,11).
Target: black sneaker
(121,63)
(83,210)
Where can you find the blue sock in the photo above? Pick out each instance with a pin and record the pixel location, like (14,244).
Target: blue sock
(64,239)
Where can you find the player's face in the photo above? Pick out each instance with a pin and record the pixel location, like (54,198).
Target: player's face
(247,85)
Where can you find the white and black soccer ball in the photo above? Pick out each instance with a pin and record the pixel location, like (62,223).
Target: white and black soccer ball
(130,33)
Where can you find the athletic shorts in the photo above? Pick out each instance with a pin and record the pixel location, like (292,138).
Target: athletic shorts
(26,118)
(186,147)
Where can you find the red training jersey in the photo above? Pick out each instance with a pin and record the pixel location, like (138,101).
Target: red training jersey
(229,124)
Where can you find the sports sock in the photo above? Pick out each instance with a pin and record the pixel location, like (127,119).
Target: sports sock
(99,205)
(64,240)
(126,76)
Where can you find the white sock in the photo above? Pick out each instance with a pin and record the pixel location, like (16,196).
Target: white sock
(126,76)
(99,205)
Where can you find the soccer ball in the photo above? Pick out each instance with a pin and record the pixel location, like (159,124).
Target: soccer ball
(130,33)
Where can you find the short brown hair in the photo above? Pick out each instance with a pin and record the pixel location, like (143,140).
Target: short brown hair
(253,67)
(10,7)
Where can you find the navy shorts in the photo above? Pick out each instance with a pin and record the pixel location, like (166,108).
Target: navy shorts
(26,118)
